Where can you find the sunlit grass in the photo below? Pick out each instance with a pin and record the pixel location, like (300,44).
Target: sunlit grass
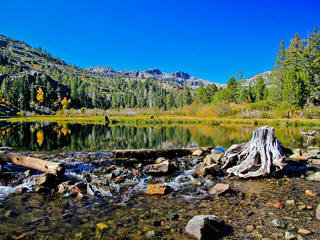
(60,119)
(171,119)
(143,120)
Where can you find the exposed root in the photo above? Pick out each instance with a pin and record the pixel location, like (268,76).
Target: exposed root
(257,157)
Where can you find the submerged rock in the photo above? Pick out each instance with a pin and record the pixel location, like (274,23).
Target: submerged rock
(162,167)
(205,227)
(278,223)
(290,202)
(303,231)
(314,177)
(288,236)
(318,212)
(219,188)
(158,189)
(275,204)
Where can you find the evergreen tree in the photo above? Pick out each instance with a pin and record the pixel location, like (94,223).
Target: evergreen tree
(170,101)
(260,89)
(32,92)
(294,90)
(201,96)
(187,98)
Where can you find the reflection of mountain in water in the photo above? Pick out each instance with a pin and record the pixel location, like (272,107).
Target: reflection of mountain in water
(90,137)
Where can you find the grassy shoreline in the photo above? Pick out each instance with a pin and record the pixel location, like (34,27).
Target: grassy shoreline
(140,120)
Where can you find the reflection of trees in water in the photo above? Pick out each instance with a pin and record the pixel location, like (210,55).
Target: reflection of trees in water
(77,137)
(227,135)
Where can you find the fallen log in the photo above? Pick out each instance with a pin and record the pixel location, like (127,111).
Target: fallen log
(53,168)
(155,153)
(257,157)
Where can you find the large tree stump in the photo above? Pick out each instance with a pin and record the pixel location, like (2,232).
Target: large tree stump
(257,157)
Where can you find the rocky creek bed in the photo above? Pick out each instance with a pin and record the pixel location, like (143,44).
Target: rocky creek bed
(101,197)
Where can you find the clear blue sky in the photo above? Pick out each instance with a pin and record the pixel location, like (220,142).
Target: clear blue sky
(207,39)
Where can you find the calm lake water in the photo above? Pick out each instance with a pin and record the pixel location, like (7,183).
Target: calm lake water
(54,137)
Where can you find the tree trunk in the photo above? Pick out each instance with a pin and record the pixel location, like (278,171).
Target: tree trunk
(257,157)
(155,153)
(53,168)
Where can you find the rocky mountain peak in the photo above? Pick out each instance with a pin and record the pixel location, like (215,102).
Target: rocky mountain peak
(181,74)
(154,71)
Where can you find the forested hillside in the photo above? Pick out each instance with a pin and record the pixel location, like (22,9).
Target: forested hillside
(35,81)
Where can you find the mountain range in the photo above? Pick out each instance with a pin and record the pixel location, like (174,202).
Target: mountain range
(155,74)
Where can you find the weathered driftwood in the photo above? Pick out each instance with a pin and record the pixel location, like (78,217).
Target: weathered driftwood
(53,168)
(155,153)
(257,157)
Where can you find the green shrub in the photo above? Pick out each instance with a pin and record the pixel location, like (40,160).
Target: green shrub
(223,109)
(313,112)
(265,105)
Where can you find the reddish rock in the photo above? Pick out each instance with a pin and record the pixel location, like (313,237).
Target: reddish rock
(21,190)
(311,193)
(275,204)
(158,189)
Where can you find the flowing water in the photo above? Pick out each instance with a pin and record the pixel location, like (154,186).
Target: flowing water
(122,210)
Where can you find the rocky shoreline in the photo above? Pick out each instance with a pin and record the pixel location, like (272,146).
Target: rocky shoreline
(282,206)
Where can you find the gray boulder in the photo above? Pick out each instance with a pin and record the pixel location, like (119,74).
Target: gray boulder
(205,227)
(162,167)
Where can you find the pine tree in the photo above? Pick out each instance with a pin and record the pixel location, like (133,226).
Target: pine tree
(260,89)
(170,101)
(294,90)
(187,98)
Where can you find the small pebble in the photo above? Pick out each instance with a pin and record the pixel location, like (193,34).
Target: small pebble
(304,231)
(290,202)
(302,207)
(288,236)
(277,223)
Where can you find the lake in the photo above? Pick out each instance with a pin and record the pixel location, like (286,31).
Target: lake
(55,137)
(120,207)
